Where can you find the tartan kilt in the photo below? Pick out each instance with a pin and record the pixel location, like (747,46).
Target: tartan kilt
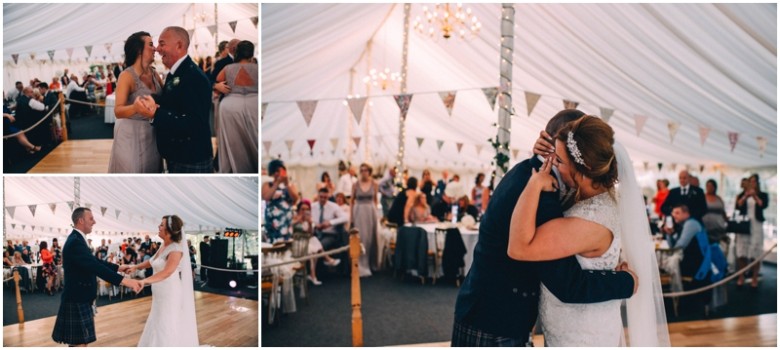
(200,167)
(75,324)
(464,335)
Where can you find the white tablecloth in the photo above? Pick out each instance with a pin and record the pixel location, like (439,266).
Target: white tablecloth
(108,114)
(470,238)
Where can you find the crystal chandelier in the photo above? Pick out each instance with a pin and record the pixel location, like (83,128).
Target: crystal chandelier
(446,20)
(383,79)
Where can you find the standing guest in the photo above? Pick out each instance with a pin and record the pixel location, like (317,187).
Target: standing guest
(193,264)
(326,182)
(691,196)
(427,186)
(715,218)
(364,218)
(327,218)
(478,192)
(402,204)
(55,84)
(663,191)
(49,269)
(208,65)
(695,181)
(441,185)
(345,180)
(14,94)
(280,196)
(26,256)
(751,203)
(225,60)
(205,258)
(237,123)
(302,222)
(341,201)
(222,50)
(387,189)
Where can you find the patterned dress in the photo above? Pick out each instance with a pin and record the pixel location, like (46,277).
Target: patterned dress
(278,216)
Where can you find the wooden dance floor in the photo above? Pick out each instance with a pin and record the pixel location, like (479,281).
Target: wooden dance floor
(222,321)
(81,156)
(745,331)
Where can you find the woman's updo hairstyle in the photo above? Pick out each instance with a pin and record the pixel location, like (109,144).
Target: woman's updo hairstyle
(173,225)
(594,138)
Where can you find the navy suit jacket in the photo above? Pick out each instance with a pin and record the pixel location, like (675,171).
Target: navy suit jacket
(81,268)
(501,295)
(221,64)
(182,121)
(694,199)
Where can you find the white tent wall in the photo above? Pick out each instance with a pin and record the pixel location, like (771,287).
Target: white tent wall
(204,204)
(29,29)
(700,65)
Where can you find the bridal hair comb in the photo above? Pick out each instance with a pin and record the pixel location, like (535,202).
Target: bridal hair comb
(571,144)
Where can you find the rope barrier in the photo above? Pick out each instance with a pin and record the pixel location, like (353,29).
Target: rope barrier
(309,257)
(84,103)
(226,270)
(723,281)
(34,125)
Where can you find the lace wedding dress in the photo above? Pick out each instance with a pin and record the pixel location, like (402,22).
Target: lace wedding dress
(171,321)
(596,324)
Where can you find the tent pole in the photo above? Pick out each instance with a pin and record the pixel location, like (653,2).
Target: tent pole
(216,28)
(366,151)
(505,97)
(399,161)
(77,191)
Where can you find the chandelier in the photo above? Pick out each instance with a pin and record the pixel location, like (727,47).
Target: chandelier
(383,79)
(446,20)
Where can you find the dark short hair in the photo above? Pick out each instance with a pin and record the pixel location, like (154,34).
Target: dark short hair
(222,45)
(714,184)
(274,166)
(78,213)
(134,46)
(44,245)
(557,122)
(244,49)
(323,189)
(43,85)
(682,207)
(17,83)
(411,182)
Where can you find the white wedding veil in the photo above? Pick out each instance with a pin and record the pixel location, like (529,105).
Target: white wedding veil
(645,316)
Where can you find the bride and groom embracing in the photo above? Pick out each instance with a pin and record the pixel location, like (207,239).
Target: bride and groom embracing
(565,238)
(171,321)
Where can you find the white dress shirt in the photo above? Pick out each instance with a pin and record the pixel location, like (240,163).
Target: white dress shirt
(330,212)
(344,185)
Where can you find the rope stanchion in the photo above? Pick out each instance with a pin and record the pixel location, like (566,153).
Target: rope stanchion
(19,309)
(723,281)
(34,125)
(308,257)
(225,270)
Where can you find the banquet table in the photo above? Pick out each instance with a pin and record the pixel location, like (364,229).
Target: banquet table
(108,114)
(470,236)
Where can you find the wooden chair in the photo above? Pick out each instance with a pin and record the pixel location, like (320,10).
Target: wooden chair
(389,249)
(436,254)
(300,248)
(271,297)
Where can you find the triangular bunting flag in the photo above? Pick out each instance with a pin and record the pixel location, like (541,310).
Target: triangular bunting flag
(334,143)
(660,166)
(356,106)
(515,152)
(479,148)
(567,104)
(403,101)
(70,205)
(703,133)
(639,123)
(53,207)
(307,109)
(262,110)
(606,113)
(459,146)
(13,226)
(32,208)
(701,168)
(289,145)
(267,147)
(70,52)
(448,97)
(103,211)
(647,165)
(233,26)
(439,143)
(24,227)
(254,20)
(673,127)
(420,141)
(733,138)
(51,228)
(357,141)
(89,50)
(108,47)
(32,56)
(212,29)
(32,227)
(51,55)
(196,47)
(311,146)
(491,94)
(674,166)
(531,99)
(11,211)
(117,211)
(15,56)
(762,141)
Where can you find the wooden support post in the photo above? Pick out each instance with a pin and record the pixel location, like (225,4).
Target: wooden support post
(63,120)
(19,309)
(357,316)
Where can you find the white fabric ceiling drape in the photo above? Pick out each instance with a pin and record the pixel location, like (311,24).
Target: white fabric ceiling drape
(699,65)
(212,203)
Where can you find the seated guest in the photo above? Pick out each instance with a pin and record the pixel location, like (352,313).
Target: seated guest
(327,216)
(302,222)
(401,206)
(692,258)
(26,256)
(24,272)
(7,259)
(420,212)
(9,128)
(466,208)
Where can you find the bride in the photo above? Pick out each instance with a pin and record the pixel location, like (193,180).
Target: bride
(601,219)
(171,321)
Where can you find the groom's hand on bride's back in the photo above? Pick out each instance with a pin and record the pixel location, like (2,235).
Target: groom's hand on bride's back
(623,266)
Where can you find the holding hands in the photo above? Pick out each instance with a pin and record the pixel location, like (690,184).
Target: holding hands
(145,106)
(136,285)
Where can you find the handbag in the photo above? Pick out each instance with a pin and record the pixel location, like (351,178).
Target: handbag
(738,227)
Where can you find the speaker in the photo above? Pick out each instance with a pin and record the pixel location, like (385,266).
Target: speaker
(219,253)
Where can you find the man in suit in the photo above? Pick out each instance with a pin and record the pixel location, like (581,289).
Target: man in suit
(50,98)
(75,323)
(205,258)
(498,302)
(688,194)
(180,114)
(228,59)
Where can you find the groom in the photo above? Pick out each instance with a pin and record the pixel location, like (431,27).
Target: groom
(180,114)
(498,302)
(75,324)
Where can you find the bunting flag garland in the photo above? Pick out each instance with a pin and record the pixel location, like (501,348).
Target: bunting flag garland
(762,141)
(32,209)
(254,20)
(289,145)
(262,110)
(439,143)
(357,141)
(311,146)
(24,227)
(459,146)
(232,25)
(606,113)
(89,50)
(448,98)
(70,205)
(196,47)
(267,147)
(703,133)
(530,101)
(212,29)
(479,148)
(491,94)
(701,168)
(639,121)
(15,56)
(674,166)
(334,142)
(356,105)
(307,109)
(13,226)
(567,104)
(32,56)
(70,53)
(53,207)
(11,211)
(108,47)
(103,211)
(673,127)
(51,55)
(660,166)
(515,152)
(733,138)
(117,211)
(403,101)
(32,227)
(420,141)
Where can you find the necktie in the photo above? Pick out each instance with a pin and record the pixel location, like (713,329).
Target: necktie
(322,213)
(167,78)
(684,191)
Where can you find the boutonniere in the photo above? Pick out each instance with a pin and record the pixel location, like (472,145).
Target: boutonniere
(175,81)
